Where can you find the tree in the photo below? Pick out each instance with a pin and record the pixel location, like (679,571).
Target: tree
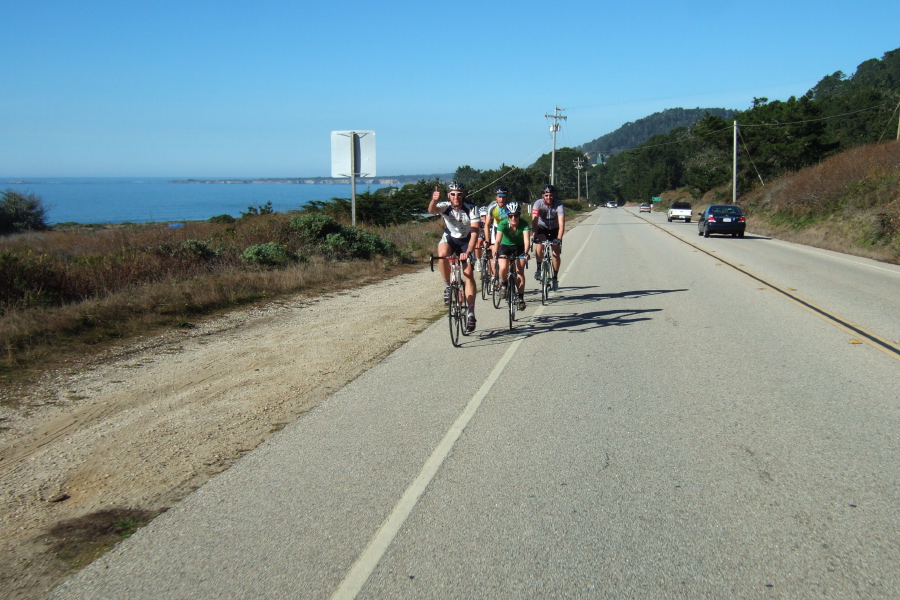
(466,175)
(21,212)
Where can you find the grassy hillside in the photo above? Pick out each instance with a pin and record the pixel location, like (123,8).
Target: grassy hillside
(848,203)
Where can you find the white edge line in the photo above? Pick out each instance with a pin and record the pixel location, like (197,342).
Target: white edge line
(362,569)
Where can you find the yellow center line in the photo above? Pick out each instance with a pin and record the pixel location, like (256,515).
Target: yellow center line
(872,339)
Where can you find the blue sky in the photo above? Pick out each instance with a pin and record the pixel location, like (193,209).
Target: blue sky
(254,89)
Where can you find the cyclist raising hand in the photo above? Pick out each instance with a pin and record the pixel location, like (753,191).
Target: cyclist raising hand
(461,221)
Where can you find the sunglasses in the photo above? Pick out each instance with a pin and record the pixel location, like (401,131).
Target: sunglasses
(516,215)
(455,194)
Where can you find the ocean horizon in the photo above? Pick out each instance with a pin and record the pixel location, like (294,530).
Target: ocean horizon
(111,200)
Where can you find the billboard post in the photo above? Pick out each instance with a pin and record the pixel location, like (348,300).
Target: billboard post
(353,155)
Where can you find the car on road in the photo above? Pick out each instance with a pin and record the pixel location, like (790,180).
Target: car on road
(612,205)
(680,211)
(645,207)
(722,218)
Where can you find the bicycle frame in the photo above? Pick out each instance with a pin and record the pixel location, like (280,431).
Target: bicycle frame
(456,310)
(512,286)
(547,271)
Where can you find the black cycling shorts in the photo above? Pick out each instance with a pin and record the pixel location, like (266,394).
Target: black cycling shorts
(510,251)
(551,234)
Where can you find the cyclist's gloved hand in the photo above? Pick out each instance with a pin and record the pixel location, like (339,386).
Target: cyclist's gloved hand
(558,241)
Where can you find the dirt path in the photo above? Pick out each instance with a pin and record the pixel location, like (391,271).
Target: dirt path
(152,423)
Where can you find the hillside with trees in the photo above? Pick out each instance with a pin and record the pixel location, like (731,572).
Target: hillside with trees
(776,137)
(634,133)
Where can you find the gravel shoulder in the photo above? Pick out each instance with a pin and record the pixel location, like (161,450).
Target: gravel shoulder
(153,421)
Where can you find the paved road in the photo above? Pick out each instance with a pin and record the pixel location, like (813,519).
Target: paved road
(670,426)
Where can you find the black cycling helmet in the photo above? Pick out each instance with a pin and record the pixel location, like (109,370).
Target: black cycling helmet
(502,191)
(548,189)
(456,186)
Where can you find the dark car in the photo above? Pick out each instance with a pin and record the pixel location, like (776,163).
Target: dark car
(722,218)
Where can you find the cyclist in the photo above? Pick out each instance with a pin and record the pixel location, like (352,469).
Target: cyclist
(496,212)
(548,219)
(481,243)
(512,238)
(461,223)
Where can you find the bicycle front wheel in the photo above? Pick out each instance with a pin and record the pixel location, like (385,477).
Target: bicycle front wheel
(512,298)
(485,282)
(453,316)
(463,311)
(497,296)
(546,282)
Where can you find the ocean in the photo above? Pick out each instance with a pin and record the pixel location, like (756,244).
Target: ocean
(144,200)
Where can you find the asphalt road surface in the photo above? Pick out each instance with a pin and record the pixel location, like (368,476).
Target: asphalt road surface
(687,418)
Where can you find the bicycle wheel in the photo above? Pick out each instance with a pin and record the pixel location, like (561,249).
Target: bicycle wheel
(453,314)
(546,282)
(485,282)
(463,311)
(495,283)
(512,296)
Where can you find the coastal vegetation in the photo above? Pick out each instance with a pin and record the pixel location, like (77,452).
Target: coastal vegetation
(821,168)
(71,290)
(21,212)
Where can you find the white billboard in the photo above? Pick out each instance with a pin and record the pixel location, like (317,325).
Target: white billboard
(349,148)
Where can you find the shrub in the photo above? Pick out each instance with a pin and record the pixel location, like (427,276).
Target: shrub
(270,254)
(227,219)
(21,212)
(194,249)
(314,227)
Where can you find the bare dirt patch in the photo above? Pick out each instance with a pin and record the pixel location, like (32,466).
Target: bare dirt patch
(95,453)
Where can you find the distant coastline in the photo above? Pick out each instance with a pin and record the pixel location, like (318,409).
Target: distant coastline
(363,181)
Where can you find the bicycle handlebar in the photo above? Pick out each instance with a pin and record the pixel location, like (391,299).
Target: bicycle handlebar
(434,258)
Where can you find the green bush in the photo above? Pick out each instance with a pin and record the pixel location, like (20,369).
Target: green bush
(270,254)
(21,212)
(194,249)
(355,243)
(222,219)
(312,228)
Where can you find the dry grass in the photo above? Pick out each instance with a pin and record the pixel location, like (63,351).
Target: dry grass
(76,291)
(849,203)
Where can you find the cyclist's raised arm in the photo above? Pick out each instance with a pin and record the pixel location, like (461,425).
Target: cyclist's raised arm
(435,197)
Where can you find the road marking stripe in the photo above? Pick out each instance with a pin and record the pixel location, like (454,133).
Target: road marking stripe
(872,339)
(362,569)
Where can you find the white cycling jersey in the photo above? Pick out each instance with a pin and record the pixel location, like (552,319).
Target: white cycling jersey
(458,222)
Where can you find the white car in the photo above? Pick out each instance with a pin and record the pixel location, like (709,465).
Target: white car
(612,205)
(680,211)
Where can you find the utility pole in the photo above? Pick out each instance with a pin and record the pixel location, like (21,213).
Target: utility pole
(734,184)
(898,124)
(554,127)
(579,164)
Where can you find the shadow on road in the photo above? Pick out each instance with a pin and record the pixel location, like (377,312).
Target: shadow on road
(574,322)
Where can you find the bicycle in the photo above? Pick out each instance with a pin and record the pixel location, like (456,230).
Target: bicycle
(512,287)
(497,297)
(458,308)
(548,274)
(487,287)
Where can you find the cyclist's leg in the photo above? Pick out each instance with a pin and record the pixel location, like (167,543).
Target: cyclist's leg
(503,262)
(539,252)
(444,250)
(469,278)
(520,272)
